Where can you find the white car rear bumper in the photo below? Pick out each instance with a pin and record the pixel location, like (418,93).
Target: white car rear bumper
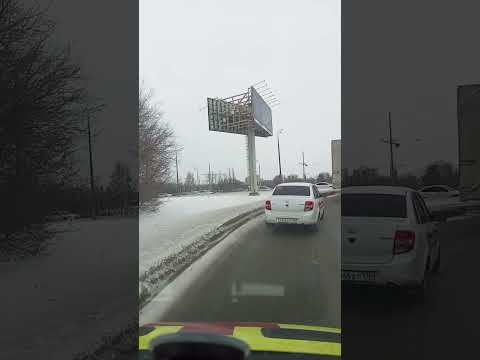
(307,218)
(404,270)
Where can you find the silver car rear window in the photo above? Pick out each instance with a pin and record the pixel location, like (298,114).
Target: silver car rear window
(374,205)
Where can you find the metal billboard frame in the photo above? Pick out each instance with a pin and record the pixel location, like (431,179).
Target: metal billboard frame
(236,115)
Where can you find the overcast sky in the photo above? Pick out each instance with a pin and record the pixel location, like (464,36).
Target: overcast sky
(407,57)
(191,50)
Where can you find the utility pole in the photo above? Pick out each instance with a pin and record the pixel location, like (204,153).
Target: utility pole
(303,166)
(92,184)
(392,167)
(209,178)
(176,164)
(391,142)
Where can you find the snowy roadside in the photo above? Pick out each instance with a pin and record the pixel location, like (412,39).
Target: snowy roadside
(160,274)
(179,221)
(78,300)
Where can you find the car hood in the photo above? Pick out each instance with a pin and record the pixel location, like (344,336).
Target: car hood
(271,337)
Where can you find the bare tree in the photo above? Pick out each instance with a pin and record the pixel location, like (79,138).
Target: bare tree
(157,145)
(120,186)
(190,181)
(43,102)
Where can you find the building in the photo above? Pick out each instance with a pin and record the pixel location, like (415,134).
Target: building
(336,164)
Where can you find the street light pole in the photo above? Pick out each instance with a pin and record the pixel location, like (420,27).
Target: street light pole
(279,160)
(198,179)
(303,166)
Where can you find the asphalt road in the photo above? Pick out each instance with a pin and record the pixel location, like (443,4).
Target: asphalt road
(381,324)
(289,275)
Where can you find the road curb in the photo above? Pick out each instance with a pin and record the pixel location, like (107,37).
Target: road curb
(150,286)
(195,274)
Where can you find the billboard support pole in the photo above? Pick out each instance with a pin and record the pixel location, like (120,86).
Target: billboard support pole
(252,160)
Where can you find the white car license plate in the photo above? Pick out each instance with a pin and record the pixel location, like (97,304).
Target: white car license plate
(287,220)
(368,276)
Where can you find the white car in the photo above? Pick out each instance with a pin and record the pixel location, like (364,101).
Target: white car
(295,203)
(435,192)
(388,237)
(324,187)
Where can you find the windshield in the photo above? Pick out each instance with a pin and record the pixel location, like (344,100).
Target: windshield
(292,190)
(374,205)
(209,172)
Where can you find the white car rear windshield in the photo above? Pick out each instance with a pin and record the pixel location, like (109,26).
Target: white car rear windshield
(374,205)
(292,190)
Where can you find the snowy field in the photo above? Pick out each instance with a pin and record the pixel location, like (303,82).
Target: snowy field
(179,221)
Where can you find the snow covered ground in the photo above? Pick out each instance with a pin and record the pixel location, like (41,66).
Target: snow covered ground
(71,294)
(179,221)
(78,298)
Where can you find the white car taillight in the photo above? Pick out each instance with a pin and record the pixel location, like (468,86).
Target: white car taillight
(404,241)
(309,204)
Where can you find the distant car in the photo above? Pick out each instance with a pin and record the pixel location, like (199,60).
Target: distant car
(324,187)
(323,184)
(62,216)
(295,203)
(438,192)
(388,237)
(264,188)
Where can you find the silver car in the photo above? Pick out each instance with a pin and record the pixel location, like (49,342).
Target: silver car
(388,237)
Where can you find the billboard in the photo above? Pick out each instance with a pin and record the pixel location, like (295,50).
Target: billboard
(235,114)
(468,112)
(262,114)
(224,116)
